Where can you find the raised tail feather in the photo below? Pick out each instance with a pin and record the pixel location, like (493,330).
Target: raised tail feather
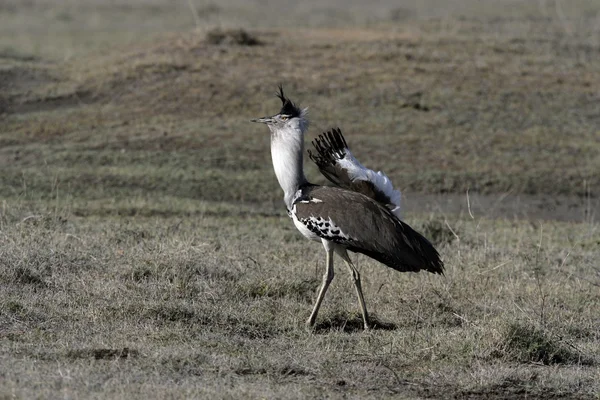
(331,146)
(336,162)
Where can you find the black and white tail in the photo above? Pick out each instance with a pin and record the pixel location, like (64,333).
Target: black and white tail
(336,163)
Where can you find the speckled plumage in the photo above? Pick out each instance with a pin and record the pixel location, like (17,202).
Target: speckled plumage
(363,225)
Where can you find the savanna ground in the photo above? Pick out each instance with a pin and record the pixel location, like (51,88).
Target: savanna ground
(144,248)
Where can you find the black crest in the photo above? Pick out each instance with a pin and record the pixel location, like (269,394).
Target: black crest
(288,108)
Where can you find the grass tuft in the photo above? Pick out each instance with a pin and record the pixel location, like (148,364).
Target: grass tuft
(102,353)
(527,344)
(438,232)
(25,276)
(238,37)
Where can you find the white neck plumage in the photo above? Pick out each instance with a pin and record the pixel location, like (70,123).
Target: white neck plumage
(287,148)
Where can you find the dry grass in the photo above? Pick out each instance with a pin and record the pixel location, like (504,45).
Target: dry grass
(216,305)
(144,249)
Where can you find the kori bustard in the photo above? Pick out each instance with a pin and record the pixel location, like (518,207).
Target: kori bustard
(360,214)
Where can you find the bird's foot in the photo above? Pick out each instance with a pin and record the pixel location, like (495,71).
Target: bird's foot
(366,324)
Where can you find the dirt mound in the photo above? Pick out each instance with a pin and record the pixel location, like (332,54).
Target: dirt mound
(232,37)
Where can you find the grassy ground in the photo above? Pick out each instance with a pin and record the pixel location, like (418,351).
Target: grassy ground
(145,251)
(215,305)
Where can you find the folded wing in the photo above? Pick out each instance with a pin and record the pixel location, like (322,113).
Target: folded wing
(336,163)
(365,226)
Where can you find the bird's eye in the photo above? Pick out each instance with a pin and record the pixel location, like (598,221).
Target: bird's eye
(284,117)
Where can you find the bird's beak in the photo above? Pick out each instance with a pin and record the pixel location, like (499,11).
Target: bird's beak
(264,120)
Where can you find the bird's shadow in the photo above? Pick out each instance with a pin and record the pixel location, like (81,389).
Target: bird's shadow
(351,323)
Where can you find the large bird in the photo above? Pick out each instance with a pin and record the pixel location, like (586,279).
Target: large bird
(360,214)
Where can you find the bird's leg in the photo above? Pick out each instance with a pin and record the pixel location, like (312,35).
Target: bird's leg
(327,278)
(356,279)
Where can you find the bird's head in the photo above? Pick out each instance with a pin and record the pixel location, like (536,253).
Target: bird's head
(290,117)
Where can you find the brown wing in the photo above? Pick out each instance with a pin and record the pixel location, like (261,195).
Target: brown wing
(362,225)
